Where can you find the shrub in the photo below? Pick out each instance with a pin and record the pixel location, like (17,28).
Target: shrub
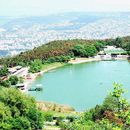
(79,50)
(48,116)
(90,50)
(84,50)
(18,111)
(4,71)
(110,103)
(5,83)
(13,80)
(35,66)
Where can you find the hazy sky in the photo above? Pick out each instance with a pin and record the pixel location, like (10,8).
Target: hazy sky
(43,7)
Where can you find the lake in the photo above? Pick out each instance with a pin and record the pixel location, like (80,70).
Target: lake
(82,86)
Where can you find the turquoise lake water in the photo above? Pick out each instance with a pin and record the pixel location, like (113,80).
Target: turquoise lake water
(82,86)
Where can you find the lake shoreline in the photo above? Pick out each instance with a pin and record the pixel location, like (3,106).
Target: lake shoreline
(72,62)
(58,65)
(34,76)
(83,60)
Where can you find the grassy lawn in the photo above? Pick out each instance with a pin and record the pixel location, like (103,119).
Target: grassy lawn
(65,114)
(115,51)
(53,65)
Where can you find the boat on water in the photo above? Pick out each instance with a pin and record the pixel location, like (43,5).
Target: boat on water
(38,88)
(35,89)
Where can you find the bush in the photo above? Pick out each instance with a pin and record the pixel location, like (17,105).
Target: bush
(84,50)
(59,120)
(58,59)
(110,103)
(18,111)
(4,71)
(21,123)
(5,83)
(21,79)
(13,80)
(79,50)
(48,116)
(88,115)
(90,50)
(97,113)
(99,46)
(35,66)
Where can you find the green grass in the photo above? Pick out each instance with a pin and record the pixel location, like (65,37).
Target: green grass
(115,51)
(65,114)
(51,65)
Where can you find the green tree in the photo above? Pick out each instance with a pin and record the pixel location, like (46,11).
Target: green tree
(84,50)
(90,50)
(110,103)
(13,80)
(99,46)
(21,79)
(117,94)
(48,116)
(18,111)
(118,42)
(35,66)
(79,50)
(127,47)
(4,71)
(5,83)
(21,123)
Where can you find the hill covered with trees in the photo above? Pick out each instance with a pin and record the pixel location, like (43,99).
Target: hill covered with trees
(62,51)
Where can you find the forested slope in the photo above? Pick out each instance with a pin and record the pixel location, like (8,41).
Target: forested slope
(65,48)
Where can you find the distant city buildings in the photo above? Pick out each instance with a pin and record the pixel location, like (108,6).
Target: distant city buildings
(21,39)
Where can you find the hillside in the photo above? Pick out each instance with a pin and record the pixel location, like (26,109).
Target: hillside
(63,48)
(25,33)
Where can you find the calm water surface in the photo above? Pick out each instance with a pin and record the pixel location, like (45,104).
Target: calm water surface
(82,86)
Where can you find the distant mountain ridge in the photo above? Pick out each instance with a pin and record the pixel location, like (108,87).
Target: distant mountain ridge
(80,17)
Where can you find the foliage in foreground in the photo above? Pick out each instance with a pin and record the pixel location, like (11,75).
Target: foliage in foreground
(18,111)
(113,114)
(11,81)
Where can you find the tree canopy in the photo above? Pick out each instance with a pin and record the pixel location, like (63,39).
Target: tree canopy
(18,111)
(65,48)
(4,71)
(113,114)
(35,66)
